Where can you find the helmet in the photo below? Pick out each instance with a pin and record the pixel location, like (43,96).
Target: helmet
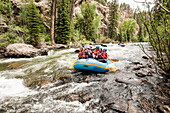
(98,46)
(81,46)
(105,49)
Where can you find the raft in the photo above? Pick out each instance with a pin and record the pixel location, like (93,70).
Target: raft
(122,45)
(91,65)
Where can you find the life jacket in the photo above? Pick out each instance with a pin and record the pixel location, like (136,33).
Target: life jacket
(82,55)
(95,51)
(104,55)
(100,55)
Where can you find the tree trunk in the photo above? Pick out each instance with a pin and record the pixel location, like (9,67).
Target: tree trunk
(53,15)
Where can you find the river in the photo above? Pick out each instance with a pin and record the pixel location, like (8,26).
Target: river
(45,84)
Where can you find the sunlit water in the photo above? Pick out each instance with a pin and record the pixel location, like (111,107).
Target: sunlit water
(21,80)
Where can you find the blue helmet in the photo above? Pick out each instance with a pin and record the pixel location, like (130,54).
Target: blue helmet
(98,46)
(81,46)
(105,49)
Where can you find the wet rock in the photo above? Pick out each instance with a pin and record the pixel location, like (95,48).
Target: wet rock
(150,72)
(132,108)
(161,109)
(103,45)
(117,107)
(73,97)
(136,63)
(127,81)
(20,50)
(139,74)
(76,51)
(149,65)
(145,57)
(44,83)
(138,67)
(167,108)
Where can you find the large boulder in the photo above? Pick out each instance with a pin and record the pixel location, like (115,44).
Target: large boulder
(21,50)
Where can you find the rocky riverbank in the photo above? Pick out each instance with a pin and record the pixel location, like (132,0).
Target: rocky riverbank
(21,50)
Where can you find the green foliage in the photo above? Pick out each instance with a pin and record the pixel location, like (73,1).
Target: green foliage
(88,24)
(8,38)
(6,8)
(23,15)
(128,30)
(103,2)
(88,12)
(157,25)
(63,22)
(34,24)
(113,20)
(140,34)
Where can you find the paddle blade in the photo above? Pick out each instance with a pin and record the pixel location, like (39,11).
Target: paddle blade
(114,60)
(112,69)
(74,61)
(71,67)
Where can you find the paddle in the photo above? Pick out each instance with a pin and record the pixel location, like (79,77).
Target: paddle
(113,60)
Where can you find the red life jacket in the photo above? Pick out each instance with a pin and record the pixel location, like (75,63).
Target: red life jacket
(100,55)
(105,55)
(95,51)
(80,54)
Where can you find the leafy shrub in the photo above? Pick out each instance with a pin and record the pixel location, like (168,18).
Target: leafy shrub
(8,38)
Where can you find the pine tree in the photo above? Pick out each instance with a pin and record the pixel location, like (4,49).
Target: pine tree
(63,22)
(113,20)
(34,24)
(120,39)
(89,11)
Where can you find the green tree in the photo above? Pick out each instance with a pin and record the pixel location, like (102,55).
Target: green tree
(63,22)
(140,33)
(103,2)
(157,24)
(113,20)
(128,29)
(34,24)
(6,8)
(88,12)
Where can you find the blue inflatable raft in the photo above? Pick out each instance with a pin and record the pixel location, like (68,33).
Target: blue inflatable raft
(122,45)
(91,65)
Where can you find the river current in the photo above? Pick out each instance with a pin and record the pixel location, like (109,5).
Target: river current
(45,84)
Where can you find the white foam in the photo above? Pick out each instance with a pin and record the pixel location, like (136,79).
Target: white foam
(12,87)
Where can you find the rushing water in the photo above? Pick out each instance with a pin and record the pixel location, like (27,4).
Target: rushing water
(45,84)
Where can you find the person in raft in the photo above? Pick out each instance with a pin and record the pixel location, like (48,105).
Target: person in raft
(102,55)
(91,49)
(96,52)
(89,53)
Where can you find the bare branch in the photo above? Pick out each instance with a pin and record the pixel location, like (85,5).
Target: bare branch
(163,7)
(157,2)
(46,25)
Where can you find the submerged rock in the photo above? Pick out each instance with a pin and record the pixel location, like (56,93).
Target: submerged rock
(139,74)
(21,50)
(145,57)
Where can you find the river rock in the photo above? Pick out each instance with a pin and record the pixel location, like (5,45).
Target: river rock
(136,63)
(145,57)
(77,51)
(139,74)
(138,67)
(21,50)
